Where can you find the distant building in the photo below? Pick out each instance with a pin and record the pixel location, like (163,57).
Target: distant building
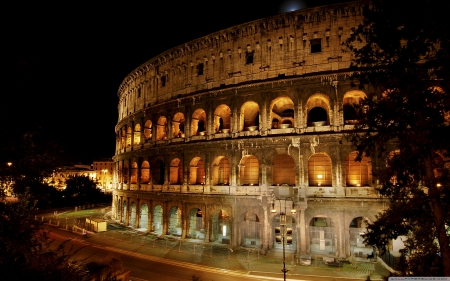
(61,174)
(104,173)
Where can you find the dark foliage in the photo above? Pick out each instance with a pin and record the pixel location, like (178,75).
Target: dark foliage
(401,57)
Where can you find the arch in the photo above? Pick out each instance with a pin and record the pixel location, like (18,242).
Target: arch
(318,110)
(319,170)
(357,228)
(129,135)
(175,221)
(221,171)
(161,127)
(198,124)
(137,134)
(283,171)
(143,219)
(249,170)
(358,173)
(197,171)
(148,130)
(196,228)
(132,214)
(145,172)
(249,116)
(221,227)
(134,172)
(321,234)
(178,125)
(251,230)
(350,106)
(176,171)
(158,219)
(282,112)
(222,119)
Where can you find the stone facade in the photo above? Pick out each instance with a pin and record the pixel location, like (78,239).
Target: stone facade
(215,133)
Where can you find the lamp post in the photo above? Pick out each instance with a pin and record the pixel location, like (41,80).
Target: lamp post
(283,227)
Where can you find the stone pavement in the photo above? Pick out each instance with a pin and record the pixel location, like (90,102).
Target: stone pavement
(217,255)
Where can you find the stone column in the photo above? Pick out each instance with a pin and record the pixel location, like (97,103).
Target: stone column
(302,246)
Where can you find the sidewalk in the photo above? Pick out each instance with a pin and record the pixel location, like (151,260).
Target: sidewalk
(217,255)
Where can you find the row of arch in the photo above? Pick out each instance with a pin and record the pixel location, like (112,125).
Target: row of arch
(357,173)
(318,113)
(322,230)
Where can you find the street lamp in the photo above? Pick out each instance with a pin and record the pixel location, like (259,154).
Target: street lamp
(283,228)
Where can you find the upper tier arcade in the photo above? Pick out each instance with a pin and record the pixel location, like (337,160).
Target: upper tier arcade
(295,44)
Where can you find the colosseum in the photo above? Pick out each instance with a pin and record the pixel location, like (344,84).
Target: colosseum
(240,135)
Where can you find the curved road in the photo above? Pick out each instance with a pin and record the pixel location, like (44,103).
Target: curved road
(144,267)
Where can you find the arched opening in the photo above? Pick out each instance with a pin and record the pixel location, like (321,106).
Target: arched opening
(176,171)
(137,134)
(129,135)
(319,170)
(197,171)
(249,170)
(249,117)
(196,229)
(350,106)
(148,130)
(222,120)
(158,220)
(357,247)
(161,128)
(251,230)
(143,220)
(198,124)
(318,108)
(322,238)
(134,172)
(283,170)
(221,227)
(145,172)
(282,110)
(178,125)
(358,173)
(132,221)
(175,221)
(221,171)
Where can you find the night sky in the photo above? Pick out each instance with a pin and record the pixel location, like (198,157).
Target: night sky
(65,61)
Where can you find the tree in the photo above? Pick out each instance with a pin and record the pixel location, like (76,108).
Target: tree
(401,56)
(82,189)
(25,252)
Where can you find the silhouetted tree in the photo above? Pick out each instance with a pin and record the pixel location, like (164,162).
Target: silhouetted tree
(401,57)
(25,252)
(82,189)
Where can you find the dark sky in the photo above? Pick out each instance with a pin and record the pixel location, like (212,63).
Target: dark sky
(65,61)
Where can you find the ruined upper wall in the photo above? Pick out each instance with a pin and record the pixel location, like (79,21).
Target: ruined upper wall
(292,44)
